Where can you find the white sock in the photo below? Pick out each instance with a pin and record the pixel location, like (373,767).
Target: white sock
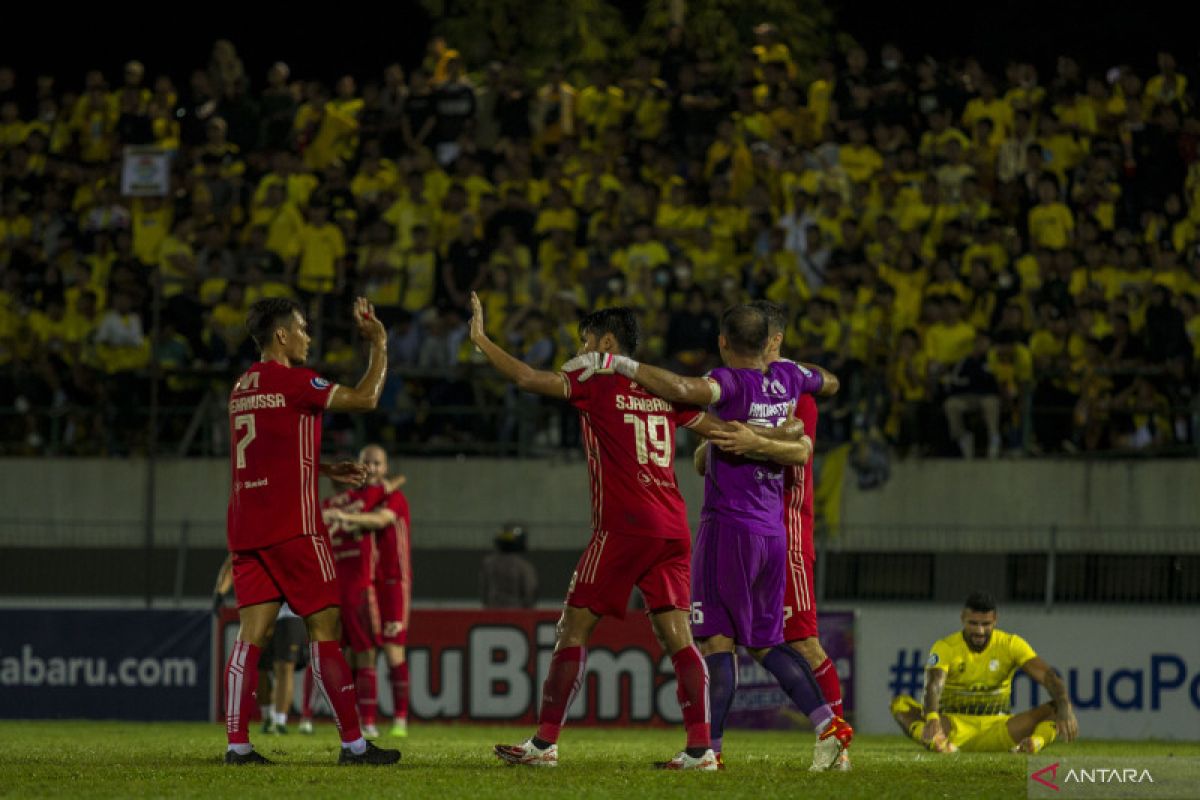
(241,749)
(280,718)
(357,747)
(268,712)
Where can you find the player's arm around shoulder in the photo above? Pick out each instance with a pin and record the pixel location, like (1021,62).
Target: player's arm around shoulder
(830,385)
(676,388)
(660,382)
(745,440)
(365,395)
(370,521)
(526,378)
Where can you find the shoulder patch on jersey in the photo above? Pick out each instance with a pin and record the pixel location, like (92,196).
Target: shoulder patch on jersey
(933,660)
(320,383)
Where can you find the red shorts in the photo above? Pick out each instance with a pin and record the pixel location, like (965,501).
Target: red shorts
(394,600)
(299,571)
(800,606)
(360,619)
(613,564)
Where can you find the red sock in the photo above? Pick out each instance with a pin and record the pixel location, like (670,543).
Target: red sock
(332,674)
(368,694)
(562,684)
(691,688)
(307,699)
(399,678)
(241,684)
(831,687)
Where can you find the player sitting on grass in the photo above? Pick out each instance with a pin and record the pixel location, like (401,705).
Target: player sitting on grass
(968,680)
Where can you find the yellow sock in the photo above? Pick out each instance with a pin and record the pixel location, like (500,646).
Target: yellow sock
(1046,730)
(916,730)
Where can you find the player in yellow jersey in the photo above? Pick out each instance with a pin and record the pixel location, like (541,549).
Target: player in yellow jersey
(968,680)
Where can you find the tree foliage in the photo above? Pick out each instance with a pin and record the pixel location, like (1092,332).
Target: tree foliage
(538,33)
(583,32)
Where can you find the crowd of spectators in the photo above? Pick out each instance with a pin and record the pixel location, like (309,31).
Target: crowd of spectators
(993,262)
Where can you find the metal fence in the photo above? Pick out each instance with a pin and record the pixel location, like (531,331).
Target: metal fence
(1049,565)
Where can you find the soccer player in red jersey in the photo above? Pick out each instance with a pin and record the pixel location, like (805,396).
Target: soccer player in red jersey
(800,610)
(355,553)
(640,531)
(281,550)
(387,516)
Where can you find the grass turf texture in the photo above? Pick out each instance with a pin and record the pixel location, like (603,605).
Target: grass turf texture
(111,759)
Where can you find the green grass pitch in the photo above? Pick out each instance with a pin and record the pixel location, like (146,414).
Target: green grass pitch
(111,759)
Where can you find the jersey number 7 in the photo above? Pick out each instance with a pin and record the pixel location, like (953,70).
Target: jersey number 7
(243,421)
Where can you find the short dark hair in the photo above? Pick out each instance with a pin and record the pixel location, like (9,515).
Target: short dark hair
(620,321)
(266,315)
(746,330)
(980,601)
(776,316)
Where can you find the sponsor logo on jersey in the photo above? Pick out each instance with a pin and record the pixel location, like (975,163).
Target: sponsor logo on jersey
(320,383)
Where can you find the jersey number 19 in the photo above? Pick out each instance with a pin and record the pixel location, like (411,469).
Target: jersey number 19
(652,436)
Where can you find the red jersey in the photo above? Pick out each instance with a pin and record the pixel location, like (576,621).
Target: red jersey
(395,547)
(275,435)
(355,551)
(629,438)
(798,485)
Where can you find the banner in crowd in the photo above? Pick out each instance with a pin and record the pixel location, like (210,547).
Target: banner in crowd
(488,666)
(111,664)
(1129,674)
(145,172)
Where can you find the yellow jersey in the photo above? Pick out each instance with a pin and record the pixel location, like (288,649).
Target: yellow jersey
(979,683)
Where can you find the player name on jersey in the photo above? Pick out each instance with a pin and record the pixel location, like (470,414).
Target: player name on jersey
(769,410)
(650,404)
(256,401)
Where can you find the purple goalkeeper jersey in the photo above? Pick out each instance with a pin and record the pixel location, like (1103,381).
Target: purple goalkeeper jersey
(747,490)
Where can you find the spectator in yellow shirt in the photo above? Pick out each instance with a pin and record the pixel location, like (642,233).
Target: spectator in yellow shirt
(322,253)
(1167,87)
(949,337)
(421,270)
(1051,223)
(988,105)
(858,158)
(908,389)
(553,111)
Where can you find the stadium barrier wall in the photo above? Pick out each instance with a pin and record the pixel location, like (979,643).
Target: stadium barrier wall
(111,664)
(1130,674)
(488,666)
(460,503)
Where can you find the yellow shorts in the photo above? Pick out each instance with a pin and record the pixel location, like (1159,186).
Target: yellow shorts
(976,733)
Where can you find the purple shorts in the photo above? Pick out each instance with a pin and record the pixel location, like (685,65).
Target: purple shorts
(738,584)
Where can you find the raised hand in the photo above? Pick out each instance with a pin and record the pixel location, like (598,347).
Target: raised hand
(478,331)
(369,326)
